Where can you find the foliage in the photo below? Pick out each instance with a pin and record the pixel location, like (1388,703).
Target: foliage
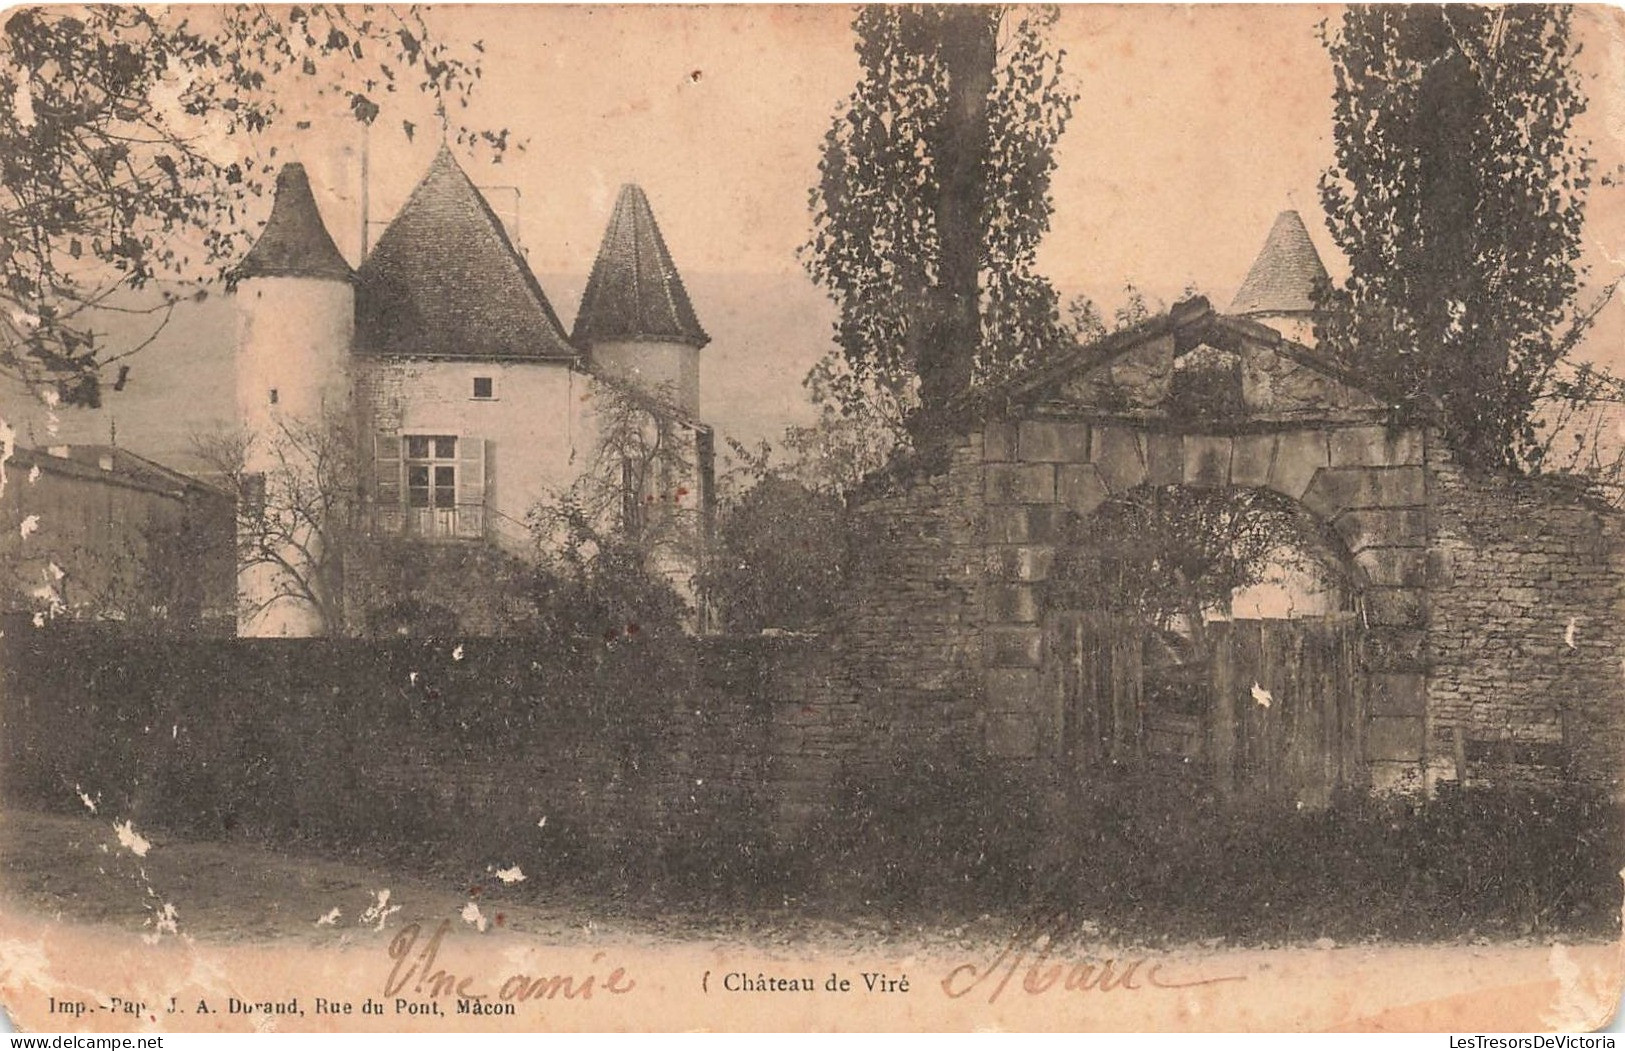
(933,196)
(1458,195)
(597,582)
(781,557)
(630,513)
(132,141)
(1168,557)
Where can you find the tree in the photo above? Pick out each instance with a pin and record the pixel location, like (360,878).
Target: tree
(111,169)
(1457,195)
(296,521)
(933,196)
(610,545)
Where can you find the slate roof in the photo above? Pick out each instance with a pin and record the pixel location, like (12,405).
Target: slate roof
(444,281)
(295,241)
(1283,277)
(634,292)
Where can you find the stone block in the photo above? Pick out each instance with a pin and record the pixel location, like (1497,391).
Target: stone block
(1014,689)
(1078,487)
(1339,489)
(1392,648)
(1164,459)
(999,441)
(1053,441)
(1012,604)
(1298,455)
(1394,607)
(1382,527)
(1007,525)
(1207,460)
(1393,739)
(1250,459)
(1375,447)
(1012,735)
(1396,779)
(1028,562)
(1013,647)
(1398,693)
(1116,454)
(1020,483)
(1394,566)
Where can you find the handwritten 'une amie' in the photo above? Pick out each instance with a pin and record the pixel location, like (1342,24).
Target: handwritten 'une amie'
(437,983)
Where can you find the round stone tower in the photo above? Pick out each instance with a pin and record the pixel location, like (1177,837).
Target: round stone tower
(636,322)
(295,298)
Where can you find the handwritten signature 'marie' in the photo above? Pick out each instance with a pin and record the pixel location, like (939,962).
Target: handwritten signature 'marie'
(437,982)
(1032,945)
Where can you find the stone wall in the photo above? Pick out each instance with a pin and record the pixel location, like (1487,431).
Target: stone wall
(911,627)
(1526,631)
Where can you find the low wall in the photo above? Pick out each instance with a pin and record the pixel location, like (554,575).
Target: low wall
(634,753)
(1526,631)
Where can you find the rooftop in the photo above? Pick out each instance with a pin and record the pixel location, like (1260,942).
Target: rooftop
(445,281)
(634,291)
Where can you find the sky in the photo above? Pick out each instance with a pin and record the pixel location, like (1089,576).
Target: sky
(1194,127)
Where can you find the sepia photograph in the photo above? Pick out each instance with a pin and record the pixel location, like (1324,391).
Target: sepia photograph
(947,517)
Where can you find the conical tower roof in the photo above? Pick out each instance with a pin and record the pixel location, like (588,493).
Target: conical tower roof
(634,292)
(1285,274)
(444,281)
(295,241)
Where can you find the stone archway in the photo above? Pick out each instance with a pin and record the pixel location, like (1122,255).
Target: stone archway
(1208,634)
(1366,481)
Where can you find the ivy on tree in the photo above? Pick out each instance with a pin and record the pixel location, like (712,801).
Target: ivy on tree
(934,193)
(1458,195)
(115,122)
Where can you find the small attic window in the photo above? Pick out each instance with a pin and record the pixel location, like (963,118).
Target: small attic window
(273,396)
(484,388)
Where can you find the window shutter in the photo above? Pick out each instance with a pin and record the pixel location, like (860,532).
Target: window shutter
(386,458)
(470,471)
(470,487)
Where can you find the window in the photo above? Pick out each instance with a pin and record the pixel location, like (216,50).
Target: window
(273,395)
(484,388)
(431,472)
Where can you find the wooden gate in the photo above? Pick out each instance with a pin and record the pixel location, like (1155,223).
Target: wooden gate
(1272,711)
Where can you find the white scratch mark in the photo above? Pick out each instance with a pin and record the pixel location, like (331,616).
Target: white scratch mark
(513,875)
(131,840)
(457,654)
(331,918)
(90,804)
(380,911)
(1262,696)
(33,474)
(543,822)
(8,441)
(30,526)
(1568,634)
(412,677)
(473,917)
(163,921)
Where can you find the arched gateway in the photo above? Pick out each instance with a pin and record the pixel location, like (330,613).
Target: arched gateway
(1203,409)
(1431,624)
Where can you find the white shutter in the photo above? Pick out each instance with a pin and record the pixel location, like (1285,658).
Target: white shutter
(471,476)
(386,458)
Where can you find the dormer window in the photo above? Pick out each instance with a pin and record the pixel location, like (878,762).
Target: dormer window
(485,388)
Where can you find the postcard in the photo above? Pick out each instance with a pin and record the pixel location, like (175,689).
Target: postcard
(812,518)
